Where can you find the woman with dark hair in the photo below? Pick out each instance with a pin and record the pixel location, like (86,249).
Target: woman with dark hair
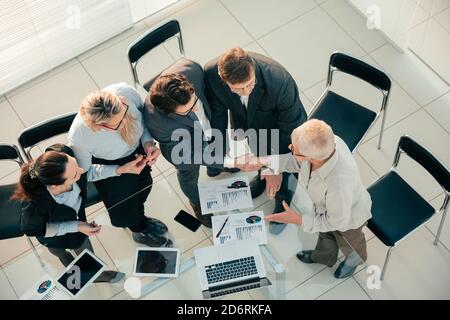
(53,192)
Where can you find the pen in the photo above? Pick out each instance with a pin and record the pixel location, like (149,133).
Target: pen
(220,231)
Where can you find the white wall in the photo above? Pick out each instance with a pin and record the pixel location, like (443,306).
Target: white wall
(393,17)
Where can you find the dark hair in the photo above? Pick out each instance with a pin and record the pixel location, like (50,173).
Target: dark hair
(170,91)
(47,169)
(235,66)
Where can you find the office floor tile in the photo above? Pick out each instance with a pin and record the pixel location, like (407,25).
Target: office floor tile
(304,53)
(433,225)
(347,290)
(440,111)
(417,269)
(354,23)
(6,292)
(12,248)
(54,96)
(111,64)
(204,34)
(270,14)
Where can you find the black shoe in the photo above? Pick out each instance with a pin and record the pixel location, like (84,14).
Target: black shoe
(204,219)
(257,186)
(277,227)
(305,256)
(214,172)
(151,240)
(110,277)
(155,226)
(344,271)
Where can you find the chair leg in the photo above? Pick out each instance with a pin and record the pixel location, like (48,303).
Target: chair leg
(33,248)
(441,225)
(386,261)
(380,137)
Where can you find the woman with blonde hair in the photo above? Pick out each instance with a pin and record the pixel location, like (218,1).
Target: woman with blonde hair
(108,132)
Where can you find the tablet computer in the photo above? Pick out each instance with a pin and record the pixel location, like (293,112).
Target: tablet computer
(157,262)
(81,273)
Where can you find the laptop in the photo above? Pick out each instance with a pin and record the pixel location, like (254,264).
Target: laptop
(83,270)
(233,267)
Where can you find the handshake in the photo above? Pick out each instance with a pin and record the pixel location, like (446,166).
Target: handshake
(249,162)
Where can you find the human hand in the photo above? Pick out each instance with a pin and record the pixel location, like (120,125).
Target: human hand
(88,229)
(152,152)
(287,216)
(273,183)
(134,167)
(247,162)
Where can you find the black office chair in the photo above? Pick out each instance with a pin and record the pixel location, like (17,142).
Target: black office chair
(47,129)
(150,40)
(10,211)
(349,120)
(397,209)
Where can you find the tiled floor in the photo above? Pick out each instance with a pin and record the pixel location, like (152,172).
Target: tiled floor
(301,35)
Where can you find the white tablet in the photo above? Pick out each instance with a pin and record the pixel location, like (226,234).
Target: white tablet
(157,262)
(81,273)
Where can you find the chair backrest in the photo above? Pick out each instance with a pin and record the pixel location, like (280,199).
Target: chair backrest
(10,152)
(44,130)
(425,158)
(150,40)
(359,69)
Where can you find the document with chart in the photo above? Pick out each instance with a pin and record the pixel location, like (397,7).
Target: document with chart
(225,195)
(239,226)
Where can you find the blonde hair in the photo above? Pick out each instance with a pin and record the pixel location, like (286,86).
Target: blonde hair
(314,139)
(98,108)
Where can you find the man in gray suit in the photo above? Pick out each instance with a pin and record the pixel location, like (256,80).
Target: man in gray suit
(177,112)
(262,96)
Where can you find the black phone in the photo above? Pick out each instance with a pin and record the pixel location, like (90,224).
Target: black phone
(187,220)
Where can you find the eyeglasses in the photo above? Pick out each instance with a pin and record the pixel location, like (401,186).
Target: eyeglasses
(118,126)
(186,113)
(291,147)
(247,87)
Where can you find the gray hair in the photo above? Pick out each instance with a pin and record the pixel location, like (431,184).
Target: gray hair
(314,139)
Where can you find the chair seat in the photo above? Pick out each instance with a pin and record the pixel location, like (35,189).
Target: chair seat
(92,196)
(348,119)
(10,214)
(397,209)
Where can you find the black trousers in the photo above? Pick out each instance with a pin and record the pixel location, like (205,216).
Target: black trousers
(124,196)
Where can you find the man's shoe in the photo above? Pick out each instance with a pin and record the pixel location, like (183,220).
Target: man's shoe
(147,238)
(277,227)
(110,277)
(204,219)
(257,186)
(155,226)
(305,256)
(344,271)
(214,172)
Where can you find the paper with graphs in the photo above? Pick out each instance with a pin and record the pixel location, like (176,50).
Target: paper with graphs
(225,195)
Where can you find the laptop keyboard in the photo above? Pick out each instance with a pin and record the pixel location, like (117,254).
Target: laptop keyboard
(231,269)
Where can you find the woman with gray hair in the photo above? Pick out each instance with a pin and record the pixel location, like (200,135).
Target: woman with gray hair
(339,204)
(107,133)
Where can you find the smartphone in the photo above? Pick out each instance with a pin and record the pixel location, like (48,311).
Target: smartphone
(187,220)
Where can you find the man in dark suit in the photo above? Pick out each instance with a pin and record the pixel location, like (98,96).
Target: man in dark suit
(177,113)
(261,95)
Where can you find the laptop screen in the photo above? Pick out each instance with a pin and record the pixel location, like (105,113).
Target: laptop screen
(80,273)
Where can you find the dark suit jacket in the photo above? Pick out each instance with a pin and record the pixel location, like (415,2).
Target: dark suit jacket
(162,125)
(36,214)
(273,104)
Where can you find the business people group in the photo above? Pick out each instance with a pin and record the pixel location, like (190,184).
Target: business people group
(112,143)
